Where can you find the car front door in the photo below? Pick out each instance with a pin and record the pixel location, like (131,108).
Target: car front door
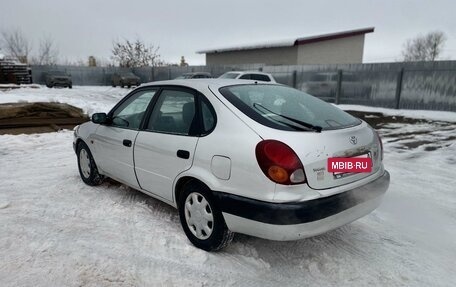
(114,142)
(166,146)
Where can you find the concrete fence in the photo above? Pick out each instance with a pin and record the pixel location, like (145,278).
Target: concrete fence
(420,85)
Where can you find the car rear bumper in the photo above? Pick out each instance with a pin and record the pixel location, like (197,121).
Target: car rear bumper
(290,221)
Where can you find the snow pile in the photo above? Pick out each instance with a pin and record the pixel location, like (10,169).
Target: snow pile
(417,114)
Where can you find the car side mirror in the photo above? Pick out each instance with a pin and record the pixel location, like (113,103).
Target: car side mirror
(99,118)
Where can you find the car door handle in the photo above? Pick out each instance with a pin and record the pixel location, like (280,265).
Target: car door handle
(127,143)
(183,154)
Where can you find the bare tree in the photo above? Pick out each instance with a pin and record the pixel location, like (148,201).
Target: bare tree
(135,54)
(424,48)
(47,53)
(16,45)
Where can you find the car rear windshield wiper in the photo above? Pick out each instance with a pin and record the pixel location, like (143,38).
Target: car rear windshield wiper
(307,125)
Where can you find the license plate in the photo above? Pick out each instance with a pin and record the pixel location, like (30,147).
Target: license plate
(350,165)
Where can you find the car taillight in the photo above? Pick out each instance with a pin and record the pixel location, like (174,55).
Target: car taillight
(381,145)
(279,162)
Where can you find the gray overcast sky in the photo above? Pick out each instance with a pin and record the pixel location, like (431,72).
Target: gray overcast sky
(82,28)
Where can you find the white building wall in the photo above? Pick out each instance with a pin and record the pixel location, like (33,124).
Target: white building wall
(267,56)
(339,51)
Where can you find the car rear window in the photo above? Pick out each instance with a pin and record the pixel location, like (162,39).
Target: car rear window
(260,77)
(283,108)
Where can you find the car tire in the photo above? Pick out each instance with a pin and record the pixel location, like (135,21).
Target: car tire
(129,86)
(49,86)
(70,86)
(122,85)
(201,219)
(86,164)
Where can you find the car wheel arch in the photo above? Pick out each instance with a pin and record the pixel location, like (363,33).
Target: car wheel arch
(78,142)
(181,182)
(90,146)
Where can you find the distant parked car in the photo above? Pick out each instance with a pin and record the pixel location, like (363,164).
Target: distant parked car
(125,79)
(196,75)
(58,79)
(256,76)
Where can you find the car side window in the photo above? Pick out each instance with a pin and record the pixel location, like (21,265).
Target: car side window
(131,112)
(174,113)
(259,77)
(208,115)
(245,77)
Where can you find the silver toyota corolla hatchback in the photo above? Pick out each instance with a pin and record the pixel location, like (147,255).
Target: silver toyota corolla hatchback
(236,156)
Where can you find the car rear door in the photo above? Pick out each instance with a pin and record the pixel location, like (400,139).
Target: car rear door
(166,146)
(113,143)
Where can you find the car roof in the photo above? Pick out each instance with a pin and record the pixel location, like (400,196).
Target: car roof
(200,84)
(197,73)
(249,72)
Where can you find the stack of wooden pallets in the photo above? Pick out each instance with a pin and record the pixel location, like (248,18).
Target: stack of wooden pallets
(13,72)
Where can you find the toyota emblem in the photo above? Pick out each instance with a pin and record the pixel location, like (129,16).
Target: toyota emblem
(353,140)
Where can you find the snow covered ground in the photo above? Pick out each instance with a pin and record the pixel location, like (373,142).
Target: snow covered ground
(57,231)
(91,99)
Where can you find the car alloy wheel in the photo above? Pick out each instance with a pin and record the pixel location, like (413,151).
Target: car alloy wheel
(87,167)
(198,215)
(84,163)
(201,218)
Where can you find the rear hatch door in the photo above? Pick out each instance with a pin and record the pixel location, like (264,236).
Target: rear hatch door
(314,149)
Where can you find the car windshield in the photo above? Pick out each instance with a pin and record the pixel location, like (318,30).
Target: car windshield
(229,76)
(184,76)
(202,76)
(286,108)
